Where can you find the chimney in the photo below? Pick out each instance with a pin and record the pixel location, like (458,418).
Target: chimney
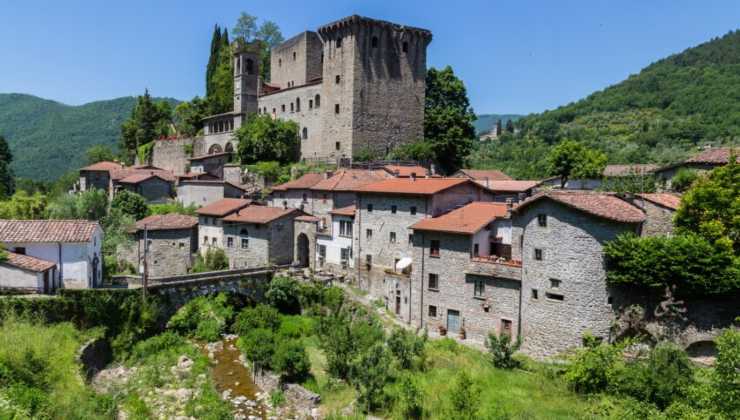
(432,169)
(413,176)
(509,207)
(328,174)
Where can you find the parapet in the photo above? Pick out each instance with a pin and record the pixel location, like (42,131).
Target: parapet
(356,20)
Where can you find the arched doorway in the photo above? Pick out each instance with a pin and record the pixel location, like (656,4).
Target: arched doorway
(229,148)
(302,251)
(214,149)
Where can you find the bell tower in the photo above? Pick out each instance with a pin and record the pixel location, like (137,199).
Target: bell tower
(246,78)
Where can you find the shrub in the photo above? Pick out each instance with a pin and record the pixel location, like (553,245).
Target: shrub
(258,346)
(369,375)
(683,179)
(215,259)
(406,347)
(283,293)
(464,398)
(411,398)
(131,204)
(590,368)
(277,398)
(668,374)
(725,380)
(204,317)
(295,326)
(156,344)
(502,350)
(260,316)
(291,361)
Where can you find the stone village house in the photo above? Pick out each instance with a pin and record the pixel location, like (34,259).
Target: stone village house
(63,253)
(171,241)
(210,223)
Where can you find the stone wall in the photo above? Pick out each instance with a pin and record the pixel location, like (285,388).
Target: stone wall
(658,219)
(281,241)
(257,251)
(94,179)
(251,285)
(170,251)
(308,229)
(171,155)
(296,61)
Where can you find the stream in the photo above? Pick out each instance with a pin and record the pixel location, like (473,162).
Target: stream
(234,380)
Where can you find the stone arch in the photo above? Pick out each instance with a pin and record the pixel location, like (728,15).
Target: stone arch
(302,250)
(250,66)
(703,348)
(229,148)
(215,148)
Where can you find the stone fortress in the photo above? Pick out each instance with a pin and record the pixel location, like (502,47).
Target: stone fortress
(357,84)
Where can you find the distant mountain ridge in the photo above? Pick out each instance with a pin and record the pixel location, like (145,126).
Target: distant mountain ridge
(486,122)
(49,138)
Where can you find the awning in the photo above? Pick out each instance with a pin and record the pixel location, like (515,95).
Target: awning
(403,263)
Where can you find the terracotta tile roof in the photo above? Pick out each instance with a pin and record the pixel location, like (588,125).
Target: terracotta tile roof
(627,170)
(47,230)
(138,178)
(211,156)
(406,171)
(208,182)
(259,214)
(223,207)
(420,186)
(509,185)
(467,220)
(205,176)
(28,263)
(307,218)
(669,200)
(120,174)
(106,166)
(345,211)
(351,179)
(604,205)
(719,155)
(169,221)
(482,174)
(304,182)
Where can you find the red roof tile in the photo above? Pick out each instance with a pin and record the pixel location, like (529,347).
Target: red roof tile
(211,156)
(307,218)
(719,155)
(304,182)
(351,180)
(628,170)
(167,222)
(47,230)
(406,171)
(120,174)
(259,214)
(344,211)
(509,185)
(603,205)
(28,263)
(669,200)
(138,178)
(420,186)
(106,166)
(223,207)
(483,174)
(468,219)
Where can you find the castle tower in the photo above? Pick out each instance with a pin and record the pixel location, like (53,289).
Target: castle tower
(374,82)
(246,79)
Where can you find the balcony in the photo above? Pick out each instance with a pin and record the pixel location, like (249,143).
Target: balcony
(495,266)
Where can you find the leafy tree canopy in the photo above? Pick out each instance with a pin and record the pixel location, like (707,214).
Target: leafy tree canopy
(149,120)
(265,139)
(131,204)
(24,206)
(571,159)
(7,178)
(99,153)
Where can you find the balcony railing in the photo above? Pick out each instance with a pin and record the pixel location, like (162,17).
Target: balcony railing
(496,259)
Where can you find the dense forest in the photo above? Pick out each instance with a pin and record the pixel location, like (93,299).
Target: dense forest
(48,138)
(663,114)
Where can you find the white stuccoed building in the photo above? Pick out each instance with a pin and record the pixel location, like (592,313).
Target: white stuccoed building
(72,247)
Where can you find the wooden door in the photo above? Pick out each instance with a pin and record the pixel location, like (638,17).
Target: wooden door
(453,321)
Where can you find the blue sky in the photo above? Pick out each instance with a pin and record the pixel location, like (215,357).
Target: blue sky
(514,56)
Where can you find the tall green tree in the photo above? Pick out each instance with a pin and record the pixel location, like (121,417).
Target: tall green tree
(213,59)
(149,120)
(246,27)
(189,116)
(265,139)
(7,178)
(571,159)
(131,204)
(268,34)
(448,119)
(99,153)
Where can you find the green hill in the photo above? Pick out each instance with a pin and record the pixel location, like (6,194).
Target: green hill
(486,122)
(662,114)
(49,138)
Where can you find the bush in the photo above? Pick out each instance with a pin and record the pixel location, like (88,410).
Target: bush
(464,398)
(406,347)
(502,350)
(725,380)
(131,204)
(590,368)
(411,398)
(283,293)
(258,346)
(204,317)
(369,375)
(291,361)
(683,179)
(215,259)
(260,316)
(295,326)
(166,340)
(668,374)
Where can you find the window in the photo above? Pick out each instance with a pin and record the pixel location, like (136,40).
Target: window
(434,248)
(405,47)
(250,66)
(345,228)
(245,243)
(182,245)
(535,294)
(282,108)
(336,108)
(392,238)
(412,210)
(337,79)
(554,284)
(274,110)
(305,133)
(369,208)
(479,287)
(317,100)
(310,104)
(555,296)
(476,250)
(506,327)
(205,240)
(294,56)
(411,239)
(369,234)
(542,220)
(394,208)
(297,104)
(433,282)
(322,251)
(280,62)
(292,108)
(337,145)
(374,42)
(229,242)
(22,250)
(339,42)
(213,241)
(538,254)
(344,254)
(368,260)
(305,197)
(432,311)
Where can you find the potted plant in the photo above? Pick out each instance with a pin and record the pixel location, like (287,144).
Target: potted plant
(442,330)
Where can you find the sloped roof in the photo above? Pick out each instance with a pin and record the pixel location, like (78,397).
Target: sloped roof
(171,221)
(668,200)
(307,218)
(210,156)
(718,155)
(28,263)
(41,231)
(509,185)
(223,207)
(406,171)
(604,205)
(467,220)
(259,214)
(351,179)
(419,186)
(138,178)
(121,174)
(304,182)
(106,166)
(627,170)
(482,174)
(344,211)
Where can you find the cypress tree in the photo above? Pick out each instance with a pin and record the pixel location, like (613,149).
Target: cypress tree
(216,43)
(7,179)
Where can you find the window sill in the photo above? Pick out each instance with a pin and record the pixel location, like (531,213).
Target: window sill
(433,256)
(479,297)
(429,289)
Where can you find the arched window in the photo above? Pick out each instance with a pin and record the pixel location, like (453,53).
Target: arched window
(292,108)
(280,62)
(250,66)
(229,148)
(297,104)
(374,42)
(238,64)
(294,56)
(337,79)
(405,47)
(317,100)
(339,42)
(305,133)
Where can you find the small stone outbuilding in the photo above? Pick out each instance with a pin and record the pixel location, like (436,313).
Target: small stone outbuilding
(170,241)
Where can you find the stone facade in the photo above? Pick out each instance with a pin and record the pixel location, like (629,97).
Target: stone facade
(154,189)
(203,193)
(296,61)
(259,245)
(170,251)
(95,179)
(658,219)
(173,155)
(304,232)
(302,105)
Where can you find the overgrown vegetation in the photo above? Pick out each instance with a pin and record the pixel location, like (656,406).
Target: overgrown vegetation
(204,318)
(214,259)
(263,138)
